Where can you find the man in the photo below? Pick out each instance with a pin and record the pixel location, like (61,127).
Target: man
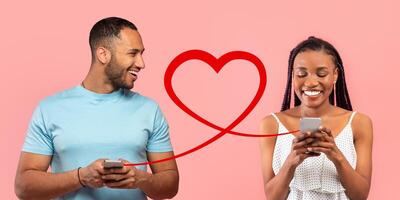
(76,130)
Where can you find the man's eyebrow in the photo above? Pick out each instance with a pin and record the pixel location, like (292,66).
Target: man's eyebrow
(136,50)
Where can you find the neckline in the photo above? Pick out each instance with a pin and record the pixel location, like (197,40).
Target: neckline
(99,96)
(340,132)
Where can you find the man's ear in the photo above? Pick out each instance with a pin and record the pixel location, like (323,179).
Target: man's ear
(103,55)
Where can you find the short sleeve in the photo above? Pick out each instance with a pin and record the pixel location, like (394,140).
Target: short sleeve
(159,140)
(38,139)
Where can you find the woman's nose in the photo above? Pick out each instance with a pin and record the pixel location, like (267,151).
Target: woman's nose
(311,82)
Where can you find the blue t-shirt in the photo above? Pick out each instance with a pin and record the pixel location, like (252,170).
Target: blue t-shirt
(77,127)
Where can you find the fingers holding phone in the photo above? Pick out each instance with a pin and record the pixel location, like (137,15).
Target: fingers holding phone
(113,164)
(299,149)
(316,129)
(310,128)
(90,175)
(116,175)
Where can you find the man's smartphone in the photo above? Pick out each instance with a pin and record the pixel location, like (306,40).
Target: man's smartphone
(309,124)
(108,164)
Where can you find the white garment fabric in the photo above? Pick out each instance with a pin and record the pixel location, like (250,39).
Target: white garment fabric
(315,177)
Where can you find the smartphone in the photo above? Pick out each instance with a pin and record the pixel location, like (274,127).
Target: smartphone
(309,124)
(108,164)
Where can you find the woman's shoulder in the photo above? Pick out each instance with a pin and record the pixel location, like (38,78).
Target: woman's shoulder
(271,118)
(270,122)
(361,120)
(361,125)
(268,125)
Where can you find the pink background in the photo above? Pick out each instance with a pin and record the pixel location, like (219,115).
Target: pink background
(44,49)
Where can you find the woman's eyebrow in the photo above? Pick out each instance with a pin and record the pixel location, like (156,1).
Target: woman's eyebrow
(300,67)
(321,68)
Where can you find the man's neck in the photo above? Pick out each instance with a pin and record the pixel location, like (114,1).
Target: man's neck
(96,82)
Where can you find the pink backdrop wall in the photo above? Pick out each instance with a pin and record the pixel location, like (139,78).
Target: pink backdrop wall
(44,49)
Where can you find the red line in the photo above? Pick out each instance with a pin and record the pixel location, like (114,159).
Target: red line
(202,145)
(217,65)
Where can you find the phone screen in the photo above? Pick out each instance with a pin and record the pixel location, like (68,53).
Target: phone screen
(310,124)
(113,164)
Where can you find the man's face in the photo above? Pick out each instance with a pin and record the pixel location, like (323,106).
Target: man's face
(126,59)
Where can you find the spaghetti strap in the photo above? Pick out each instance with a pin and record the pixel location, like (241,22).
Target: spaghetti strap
(276,118)
(352,116)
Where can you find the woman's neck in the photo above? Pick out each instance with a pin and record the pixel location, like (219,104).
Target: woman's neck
(320,111)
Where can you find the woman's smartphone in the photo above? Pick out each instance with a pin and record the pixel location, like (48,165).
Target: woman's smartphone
(309,124)
(108,164)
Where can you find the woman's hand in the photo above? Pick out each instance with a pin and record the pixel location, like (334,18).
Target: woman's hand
(325,143)
(299,149)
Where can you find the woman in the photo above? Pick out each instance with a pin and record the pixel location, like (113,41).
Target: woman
(331,163)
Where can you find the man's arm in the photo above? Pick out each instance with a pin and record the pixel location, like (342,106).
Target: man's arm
(162,183)
(32,180)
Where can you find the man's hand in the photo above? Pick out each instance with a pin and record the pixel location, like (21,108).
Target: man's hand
(162,183)
(91,175)
(124,178)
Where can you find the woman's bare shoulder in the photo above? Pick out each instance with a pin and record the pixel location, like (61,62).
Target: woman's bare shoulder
(268,124)
(362,125)
(361,119)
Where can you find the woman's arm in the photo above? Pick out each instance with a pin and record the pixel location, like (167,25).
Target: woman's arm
(277,186)
(356,182)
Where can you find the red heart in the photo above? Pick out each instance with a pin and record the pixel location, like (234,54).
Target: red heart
(217,65)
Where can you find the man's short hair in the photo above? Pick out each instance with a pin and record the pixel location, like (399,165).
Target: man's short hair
(105,30)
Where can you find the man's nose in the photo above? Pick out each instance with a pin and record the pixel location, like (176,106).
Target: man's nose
(140,62)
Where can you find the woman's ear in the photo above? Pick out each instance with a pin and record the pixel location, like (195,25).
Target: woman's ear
(335,75)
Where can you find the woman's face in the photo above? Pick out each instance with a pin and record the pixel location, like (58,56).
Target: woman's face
(314,75)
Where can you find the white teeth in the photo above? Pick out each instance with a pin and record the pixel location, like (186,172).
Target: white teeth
(311,93)
(133,72)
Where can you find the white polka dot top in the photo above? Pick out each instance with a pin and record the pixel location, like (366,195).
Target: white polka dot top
(315,177)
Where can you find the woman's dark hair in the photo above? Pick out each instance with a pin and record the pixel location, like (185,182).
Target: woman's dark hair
(317,44)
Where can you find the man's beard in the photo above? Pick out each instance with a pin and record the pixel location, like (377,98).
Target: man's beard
(116,75)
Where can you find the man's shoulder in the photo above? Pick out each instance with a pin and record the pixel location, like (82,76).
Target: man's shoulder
(136,96)
(59,97)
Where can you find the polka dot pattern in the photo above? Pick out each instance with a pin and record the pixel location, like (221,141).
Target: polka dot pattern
(315,177)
